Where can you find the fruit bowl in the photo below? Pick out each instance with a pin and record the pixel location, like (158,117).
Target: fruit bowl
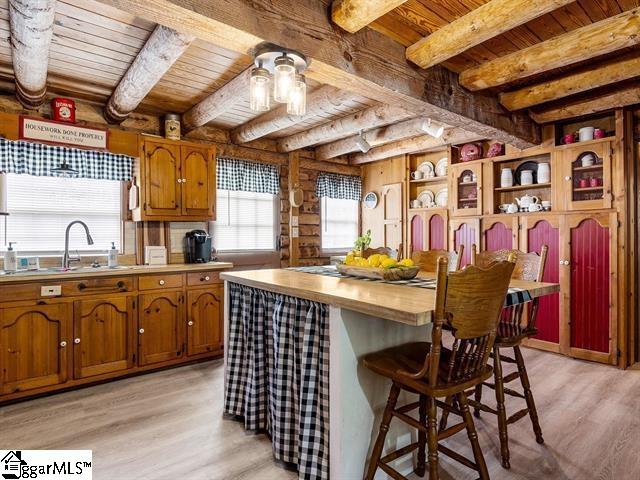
(389,274)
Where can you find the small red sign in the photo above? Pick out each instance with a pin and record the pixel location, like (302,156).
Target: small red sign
(64,110)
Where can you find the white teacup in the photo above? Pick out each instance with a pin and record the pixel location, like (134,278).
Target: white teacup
(416,204)
(417,175)
(535,207)
(546,204)
(512,208)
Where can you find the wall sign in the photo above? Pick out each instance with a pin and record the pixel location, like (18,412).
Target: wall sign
(59,133)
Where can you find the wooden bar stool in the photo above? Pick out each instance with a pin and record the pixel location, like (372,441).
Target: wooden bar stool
(516,323)
(428,259)
(469,303)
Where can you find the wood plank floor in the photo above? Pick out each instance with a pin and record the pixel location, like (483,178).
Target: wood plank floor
(169,425)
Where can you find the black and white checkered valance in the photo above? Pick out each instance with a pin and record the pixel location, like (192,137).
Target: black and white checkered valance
(242,175)
(39,159)
(334,185)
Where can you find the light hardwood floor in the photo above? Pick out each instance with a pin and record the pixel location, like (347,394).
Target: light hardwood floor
(169,425)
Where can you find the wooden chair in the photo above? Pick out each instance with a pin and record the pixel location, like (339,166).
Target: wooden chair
(469,302)
(516,323)
(428,259)
(367,252)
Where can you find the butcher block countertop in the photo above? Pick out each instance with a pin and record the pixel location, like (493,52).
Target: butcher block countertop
(48,275)
(400,303)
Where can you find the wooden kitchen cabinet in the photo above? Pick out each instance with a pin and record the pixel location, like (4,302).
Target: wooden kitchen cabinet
(104,335)
(34,345)
(499,232)
(577,191)
(160,327)
(175,181)
(465,191)
(204,320)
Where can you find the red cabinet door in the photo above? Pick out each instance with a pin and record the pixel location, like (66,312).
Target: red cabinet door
(416,232)
(499,233)
(465,233)
(437,231)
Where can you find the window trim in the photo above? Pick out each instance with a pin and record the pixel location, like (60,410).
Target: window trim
(329,252)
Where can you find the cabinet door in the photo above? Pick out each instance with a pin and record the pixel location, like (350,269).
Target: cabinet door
(204,320)
(33,346)
(539,230)
(198,181)
(104,335)
(392,209)
(436,228)
(579,192)
(417,232)
(464,232)
(499,233)
(162,178)
(589,268)
(466,189)
(160,327)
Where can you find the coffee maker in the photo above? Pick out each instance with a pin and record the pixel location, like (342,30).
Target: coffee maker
(197,247)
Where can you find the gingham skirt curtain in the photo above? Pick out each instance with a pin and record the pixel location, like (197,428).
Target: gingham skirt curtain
(39,159)
(277,374)
(242,175)
(335,185)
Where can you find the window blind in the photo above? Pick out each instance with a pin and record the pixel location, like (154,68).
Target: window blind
(339,220)
(245,221)
(41,208)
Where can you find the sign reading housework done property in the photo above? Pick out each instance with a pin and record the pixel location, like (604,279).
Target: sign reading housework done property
(59,133)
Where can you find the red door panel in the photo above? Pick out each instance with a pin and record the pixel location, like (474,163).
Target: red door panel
(548,321)
(417,233)
(498,237)
(590,285)
(465,235)
(436,233)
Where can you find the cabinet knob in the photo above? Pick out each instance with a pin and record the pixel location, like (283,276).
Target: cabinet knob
(76,341)
(63,344)
(567,178)
(141,330)
(184,180)
(179,180)
(161,282)
(564,262)
(190,323)
(205,278)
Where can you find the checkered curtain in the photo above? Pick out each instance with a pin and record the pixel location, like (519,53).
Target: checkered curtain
(39,159)
(242,175)
(334,185)
(277,374)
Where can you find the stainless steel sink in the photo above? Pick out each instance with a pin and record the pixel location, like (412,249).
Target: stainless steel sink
(59,270)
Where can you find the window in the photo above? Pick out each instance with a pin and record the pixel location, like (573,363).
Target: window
(41,208)
(245,221)
(340,224)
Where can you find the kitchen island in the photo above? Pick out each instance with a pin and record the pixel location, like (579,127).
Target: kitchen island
(294,340)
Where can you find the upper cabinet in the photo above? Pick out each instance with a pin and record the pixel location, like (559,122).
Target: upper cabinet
(587,176)
(175,181)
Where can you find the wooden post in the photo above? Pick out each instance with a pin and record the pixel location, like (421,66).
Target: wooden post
(294,212)
(161,50)
(31,25)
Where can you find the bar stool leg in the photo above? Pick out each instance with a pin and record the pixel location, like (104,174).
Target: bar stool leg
(502,411)
(445,414)
(382,434)
(422,438)
(477,398)
(528,395)
(432,437)
(473,437)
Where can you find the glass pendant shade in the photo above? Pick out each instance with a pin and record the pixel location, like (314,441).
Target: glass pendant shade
(284,77)
(298,99)
(259,95)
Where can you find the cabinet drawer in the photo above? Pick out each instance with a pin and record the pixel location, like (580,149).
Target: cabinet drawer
(203,278)
(154,282)
(90,286)
(10,293)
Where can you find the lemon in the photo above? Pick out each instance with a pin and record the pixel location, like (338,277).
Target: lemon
(407,262)
(363,262)
(350,259)
(388,263)
(374,260)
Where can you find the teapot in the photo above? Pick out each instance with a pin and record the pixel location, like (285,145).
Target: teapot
(526,200)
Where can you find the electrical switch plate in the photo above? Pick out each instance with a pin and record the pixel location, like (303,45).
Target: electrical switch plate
(294,221)
(51,291)
(295,233)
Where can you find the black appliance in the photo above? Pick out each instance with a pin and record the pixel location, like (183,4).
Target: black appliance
(197,247)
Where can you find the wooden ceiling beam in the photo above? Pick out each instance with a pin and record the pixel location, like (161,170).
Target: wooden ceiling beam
(371,117)
(379,136)
(31,25)
(485,22)
(163,47)
(606,74)
(590,41)
(353,15)
(366,63)
(218,102)
(279,119)
(423,143)
(577,108)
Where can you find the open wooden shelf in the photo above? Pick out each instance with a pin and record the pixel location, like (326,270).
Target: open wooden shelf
(514,188)
(588,189)
(585,143)
(597,166)
(430,180)
(468,200)
(468,184)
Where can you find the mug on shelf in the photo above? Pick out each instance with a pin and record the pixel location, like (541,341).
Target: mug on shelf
(526,177)
(416,203)
(417,175)
(583,183)
(546,205)
(535,207)
(569,138)
(599,133)
(595,182)
(586,133)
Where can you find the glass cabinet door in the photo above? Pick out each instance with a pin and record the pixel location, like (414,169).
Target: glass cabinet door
(587,177)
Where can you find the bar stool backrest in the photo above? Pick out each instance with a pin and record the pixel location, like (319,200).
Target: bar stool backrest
(529,266)
(428,259)
(381,250)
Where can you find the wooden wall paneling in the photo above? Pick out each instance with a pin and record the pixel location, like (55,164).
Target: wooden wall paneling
(499,233)
(309,242)
(464,231)
(294,212)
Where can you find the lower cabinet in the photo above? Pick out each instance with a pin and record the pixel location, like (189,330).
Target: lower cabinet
(34,346)
(104,335)
(204,324)
(161,327)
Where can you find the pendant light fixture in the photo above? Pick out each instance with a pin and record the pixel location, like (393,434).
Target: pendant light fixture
(281,69)
(64,170)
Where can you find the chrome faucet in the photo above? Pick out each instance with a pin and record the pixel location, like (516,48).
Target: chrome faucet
(66,259)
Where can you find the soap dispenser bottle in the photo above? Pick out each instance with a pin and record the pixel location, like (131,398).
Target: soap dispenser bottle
(112,262)
(11,259)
